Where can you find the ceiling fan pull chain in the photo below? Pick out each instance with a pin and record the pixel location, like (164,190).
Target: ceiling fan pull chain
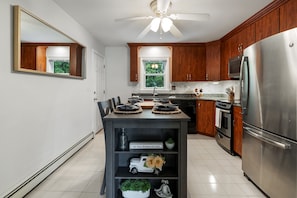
(161,33)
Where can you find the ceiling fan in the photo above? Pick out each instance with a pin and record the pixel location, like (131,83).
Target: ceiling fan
(163,19)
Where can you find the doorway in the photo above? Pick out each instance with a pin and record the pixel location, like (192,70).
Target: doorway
(99,92)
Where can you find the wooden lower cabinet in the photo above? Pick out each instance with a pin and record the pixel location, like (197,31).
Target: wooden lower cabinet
(237,130)
(205,117)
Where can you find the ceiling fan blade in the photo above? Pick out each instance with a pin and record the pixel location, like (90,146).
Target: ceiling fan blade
(190,16)
(134,18)
(144,32)
(163,5)
(175,32)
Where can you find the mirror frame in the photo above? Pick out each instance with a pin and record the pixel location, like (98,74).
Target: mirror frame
(76,62)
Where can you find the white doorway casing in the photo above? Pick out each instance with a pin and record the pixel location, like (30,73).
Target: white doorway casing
(99,92)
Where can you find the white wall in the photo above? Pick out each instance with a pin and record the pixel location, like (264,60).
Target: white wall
(118,73)
(40,116)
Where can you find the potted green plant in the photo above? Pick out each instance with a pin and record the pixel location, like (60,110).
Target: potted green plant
(135,188)
(170,143)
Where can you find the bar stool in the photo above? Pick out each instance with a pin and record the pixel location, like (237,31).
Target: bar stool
(116,101)
(105,108)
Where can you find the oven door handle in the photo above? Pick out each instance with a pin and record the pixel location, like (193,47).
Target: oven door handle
(267,140)
(225,111)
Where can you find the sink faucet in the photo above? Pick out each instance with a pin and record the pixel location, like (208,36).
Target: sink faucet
(154,91)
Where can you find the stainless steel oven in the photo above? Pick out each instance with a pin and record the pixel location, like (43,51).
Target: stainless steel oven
(223,122)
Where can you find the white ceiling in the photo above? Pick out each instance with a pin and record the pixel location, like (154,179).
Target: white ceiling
(98,17)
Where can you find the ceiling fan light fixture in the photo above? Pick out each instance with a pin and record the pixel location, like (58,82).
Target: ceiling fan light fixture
(163,5)
(155,24)
(166,24)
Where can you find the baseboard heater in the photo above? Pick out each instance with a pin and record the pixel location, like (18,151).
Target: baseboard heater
(38,177)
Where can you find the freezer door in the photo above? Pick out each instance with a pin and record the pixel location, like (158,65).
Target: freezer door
(269,84)
(270,162)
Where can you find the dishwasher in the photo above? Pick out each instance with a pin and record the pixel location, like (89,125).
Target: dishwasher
(188,106)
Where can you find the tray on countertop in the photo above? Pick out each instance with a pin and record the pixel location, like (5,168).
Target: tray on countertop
(128,109)
(166,109)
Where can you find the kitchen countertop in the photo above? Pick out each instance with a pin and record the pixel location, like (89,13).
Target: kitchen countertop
(181,96)
(185,96)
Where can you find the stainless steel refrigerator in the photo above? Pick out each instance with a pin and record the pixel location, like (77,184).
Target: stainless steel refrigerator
(268,97)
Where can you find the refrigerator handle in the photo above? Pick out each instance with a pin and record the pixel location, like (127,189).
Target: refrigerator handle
(244,84)
(267,140)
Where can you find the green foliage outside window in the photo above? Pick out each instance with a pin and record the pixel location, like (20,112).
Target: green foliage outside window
(154,68)
(154,73)
(61,66)
(154,81)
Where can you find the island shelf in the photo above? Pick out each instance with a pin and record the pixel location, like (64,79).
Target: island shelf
(147,126)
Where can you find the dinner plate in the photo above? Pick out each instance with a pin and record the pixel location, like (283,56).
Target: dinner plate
(164,107)
(134,100)
(127,107)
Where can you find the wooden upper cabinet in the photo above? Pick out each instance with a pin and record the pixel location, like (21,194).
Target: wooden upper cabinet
(244,38)
(41,58)
(288,15)
(75,59)
(28,56)
(234,46)
(33,56)
(134,68)
(197,66)
(241,40)
(225,55)
(205,117)
(268,25)
(213,60)
(188,62)
(178,60)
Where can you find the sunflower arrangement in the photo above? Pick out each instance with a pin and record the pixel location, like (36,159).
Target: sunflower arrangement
(155,161)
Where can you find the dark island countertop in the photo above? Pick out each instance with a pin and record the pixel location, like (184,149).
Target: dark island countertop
(147,114)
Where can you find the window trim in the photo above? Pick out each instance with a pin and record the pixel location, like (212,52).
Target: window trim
(166,73)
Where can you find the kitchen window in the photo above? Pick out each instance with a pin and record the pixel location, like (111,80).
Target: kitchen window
(58,65)
(155,73)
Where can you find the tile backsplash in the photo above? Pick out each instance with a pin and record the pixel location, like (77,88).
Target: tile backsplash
(208,87)
(218,87)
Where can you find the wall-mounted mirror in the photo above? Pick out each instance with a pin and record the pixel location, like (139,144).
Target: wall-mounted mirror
(41,49)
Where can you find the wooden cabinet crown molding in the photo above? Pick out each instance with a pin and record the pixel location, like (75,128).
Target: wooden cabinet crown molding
(269,8)
(165,44)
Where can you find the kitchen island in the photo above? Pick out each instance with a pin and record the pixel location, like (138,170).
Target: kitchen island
(147,126)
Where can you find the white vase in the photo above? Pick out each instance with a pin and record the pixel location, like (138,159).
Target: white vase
(169,145)
(135,194)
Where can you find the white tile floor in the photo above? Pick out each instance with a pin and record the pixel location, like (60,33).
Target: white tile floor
(212,173)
